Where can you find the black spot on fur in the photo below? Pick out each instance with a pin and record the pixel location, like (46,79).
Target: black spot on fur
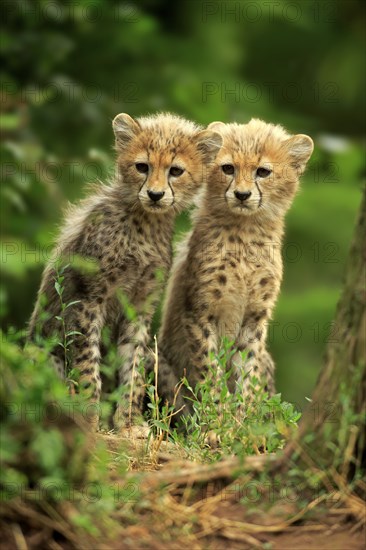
(188,303)
(87,372)
(258,316)
(222,279)
(195,346)
(84,357)
(81,286)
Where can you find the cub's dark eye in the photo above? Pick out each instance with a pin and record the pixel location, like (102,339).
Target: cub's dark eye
(263,172)
(142,167)
(176,171)
(228,169)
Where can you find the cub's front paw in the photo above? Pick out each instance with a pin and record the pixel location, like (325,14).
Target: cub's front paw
(137,430)
(213,440)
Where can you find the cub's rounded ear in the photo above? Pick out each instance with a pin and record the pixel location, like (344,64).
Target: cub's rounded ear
(300,147)
(125,128)
(215,125)
(209,144)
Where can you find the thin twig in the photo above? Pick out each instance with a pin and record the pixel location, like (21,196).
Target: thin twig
(20,541)
(131,392)
(156,371)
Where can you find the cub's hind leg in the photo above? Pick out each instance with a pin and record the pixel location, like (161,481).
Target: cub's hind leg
(84,355)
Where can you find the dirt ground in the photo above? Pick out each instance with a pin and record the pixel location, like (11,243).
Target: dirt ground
(197,512)
(334,530)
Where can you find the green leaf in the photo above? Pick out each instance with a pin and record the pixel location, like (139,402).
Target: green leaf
(49,448)
(62,270)
(161,425)
(58,288)
(72,303)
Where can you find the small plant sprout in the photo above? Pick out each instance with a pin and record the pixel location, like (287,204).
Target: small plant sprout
(66,334)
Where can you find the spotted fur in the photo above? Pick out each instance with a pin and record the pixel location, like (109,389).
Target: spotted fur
(227,274)
(126,235)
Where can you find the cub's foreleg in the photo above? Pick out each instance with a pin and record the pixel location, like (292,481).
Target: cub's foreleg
(133,337)
(257,361)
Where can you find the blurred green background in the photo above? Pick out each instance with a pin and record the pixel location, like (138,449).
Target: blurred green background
(69,67)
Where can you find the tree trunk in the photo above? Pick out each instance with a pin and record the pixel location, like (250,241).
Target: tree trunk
(332,428)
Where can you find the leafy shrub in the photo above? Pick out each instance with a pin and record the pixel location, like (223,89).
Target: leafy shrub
(240,423)
(43,444)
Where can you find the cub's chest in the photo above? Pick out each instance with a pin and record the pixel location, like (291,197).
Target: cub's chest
(143,257)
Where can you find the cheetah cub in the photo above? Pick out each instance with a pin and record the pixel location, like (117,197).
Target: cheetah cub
(226,277)
(125,229)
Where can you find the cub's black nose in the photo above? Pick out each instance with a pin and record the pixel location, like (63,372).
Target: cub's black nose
(156,196)
(242,196)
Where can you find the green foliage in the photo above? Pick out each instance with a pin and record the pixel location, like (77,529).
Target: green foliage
(43,447)
(235,421)
(67,333)
(46,455)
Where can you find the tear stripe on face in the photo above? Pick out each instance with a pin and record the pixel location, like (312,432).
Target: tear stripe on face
(260,193)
